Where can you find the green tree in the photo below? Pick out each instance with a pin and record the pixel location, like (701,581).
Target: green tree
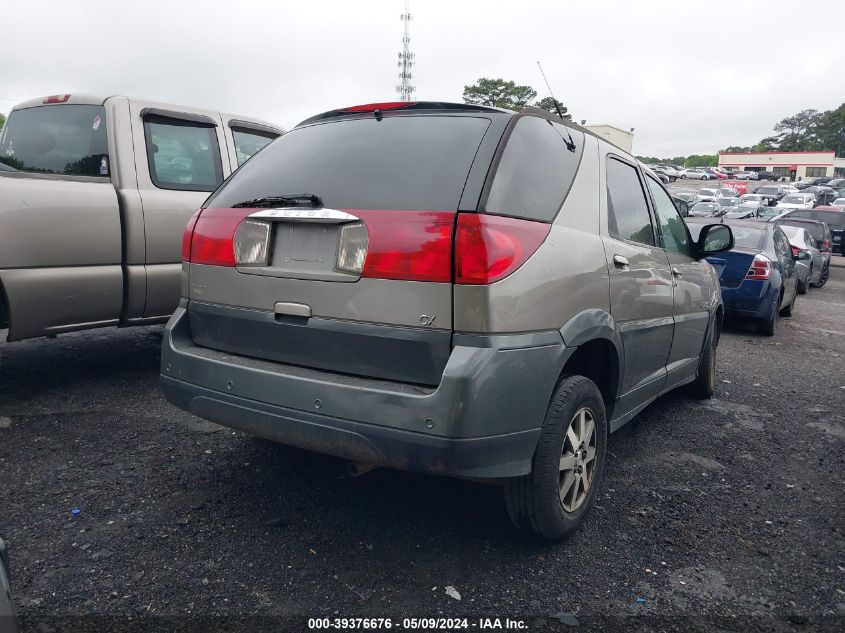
(548,103)
(701,160)
(797,133)
(830,130)
(2,120)
(499,93)
(735,149)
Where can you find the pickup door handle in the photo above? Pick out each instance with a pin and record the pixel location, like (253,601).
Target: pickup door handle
(676,272)
(620,260)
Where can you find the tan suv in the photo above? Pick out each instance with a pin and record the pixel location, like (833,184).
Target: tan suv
(448,289)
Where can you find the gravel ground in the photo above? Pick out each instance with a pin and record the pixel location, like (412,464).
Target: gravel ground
(725,515)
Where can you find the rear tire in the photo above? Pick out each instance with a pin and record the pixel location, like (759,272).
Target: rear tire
(704,385)
(554,499)
(769,326)
(823,277)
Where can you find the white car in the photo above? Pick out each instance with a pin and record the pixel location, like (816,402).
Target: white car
(707,195)
(797,201)
(695,174)
(746,175)
(753,197)
(839,202)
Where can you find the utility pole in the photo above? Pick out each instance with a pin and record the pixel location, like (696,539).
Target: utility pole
(406,60)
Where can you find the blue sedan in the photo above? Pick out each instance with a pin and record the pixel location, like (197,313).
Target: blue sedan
(758,276)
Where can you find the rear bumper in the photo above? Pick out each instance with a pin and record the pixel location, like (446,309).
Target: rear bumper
(751,299)
(482,420)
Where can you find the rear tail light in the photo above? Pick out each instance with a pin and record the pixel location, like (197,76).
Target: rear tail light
(761,268)
(372,107)
(56,99)
(408,245)
(824,246)
(213,239)
(188,235)
(796,251)
(489,248)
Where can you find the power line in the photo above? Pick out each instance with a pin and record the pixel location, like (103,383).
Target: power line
(406,60)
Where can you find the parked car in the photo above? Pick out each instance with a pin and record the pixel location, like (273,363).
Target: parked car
(746,210)
(726,203)
(752,197)
(767,175)
(820,233)
(93,210)
(718,174)
(670,172)
(727,192)
(758,275)
(769,213)
(690,197)
(312,318)
(797,201)
(833,217)
(807,255)
(823,195)
(745,175)
(837,183)
(707,195)
(695,174)
(8,617)
(771,193)
(838,203)
(705,210)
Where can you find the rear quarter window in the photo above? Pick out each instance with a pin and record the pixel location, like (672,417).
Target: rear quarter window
(398,163)
(535,171)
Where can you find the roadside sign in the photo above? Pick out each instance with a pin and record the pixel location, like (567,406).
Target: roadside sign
(740,186)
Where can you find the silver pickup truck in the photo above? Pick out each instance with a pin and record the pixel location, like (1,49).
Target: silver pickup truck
(95,194)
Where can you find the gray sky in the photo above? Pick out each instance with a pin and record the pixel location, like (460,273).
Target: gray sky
(691,77)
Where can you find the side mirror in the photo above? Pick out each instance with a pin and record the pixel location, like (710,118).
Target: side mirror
(804,255)
(715,238)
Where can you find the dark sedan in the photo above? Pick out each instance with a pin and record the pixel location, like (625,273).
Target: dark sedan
(758,276)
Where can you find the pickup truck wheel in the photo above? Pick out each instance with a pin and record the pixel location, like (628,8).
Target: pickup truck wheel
(554,499)
(704,385)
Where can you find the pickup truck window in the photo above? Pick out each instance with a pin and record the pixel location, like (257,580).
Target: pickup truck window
(58,139)
(248,142)
(183,155)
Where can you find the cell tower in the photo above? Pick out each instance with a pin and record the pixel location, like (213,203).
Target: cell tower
(406,60)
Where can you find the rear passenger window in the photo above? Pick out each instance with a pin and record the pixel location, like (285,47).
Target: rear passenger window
(535,171)
(627,210)
(183,154)
(248,142)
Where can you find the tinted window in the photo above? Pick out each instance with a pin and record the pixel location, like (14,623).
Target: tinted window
(782,248)
(183,155)
(672,229)
(64,139)
(248,142)
(536,170)
(816,230)
(744,237)
(400,162)
(627,211)
(834,219)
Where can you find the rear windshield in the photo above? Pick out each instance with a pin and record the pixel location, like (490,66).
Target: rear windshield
(834,219)
(400,162)
(744,237)
(816,230)
(63,139)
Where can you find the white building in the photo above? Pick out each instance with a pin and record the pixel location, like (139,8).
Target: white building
(793,165)
(619,137)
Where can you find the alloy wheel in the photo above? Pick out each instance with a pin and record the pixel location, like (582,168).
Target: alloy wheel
(577,460)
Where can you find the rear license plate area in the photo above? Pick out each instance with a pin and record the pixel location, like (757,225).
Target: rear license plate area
(303,248)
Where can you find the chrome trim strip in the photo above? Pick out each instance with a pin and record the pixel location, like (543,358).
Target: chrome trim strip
(327,216)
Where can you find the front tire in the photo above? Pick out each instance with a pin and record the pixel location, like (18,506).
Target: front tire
(704,385)
(769,326)
(554,499)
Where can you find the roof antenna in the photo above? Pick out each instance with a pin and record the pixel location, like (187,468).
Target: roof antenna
(570,145)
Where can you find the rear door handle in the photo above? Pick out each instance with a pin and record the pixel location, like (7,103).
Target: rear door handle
(676,272)
(620,260)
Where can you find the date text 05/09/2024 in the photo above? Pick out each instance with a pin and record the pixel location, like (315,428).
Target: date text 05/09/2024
(418,624)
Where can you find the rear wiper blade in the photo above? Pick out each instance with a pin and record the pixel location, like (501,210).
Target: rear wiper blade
(294,200)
